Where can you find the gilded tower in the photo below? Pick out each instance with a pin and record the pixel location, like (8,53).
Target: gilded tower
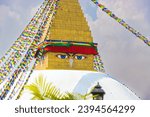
(69,44)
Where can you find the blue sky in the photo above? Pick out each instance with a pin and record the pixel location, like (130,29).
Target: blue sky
(125,57)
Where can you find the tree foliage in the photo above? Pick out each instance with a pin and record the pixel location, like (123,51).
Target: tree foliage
(43,90)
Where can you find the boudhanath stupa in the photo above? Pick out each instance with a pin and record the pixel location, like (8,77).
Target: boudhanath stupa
(58,45)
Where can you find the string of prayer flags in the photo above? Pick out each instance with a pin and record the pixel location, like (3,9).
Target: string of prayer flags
(24,49)
(122,22)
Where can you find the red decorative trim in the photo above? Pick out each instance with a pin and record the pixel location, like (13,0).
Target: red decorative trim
(72,49)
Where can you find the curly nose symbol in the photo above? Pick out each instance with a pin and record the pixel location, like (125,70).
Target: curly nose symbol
(71,62)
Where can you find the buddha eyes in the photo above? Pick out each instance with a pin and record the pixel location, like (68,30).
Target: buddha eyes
(63,56)
(79,57)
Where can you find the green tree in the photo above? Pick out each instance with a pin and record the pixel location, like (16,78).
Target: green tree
(42,90)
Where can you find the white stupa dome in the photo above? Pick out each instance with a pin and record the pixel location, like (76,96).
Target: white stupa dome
(81,82)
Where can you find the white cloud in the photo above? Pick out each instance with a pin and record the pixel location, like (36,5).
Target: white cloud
(8,13)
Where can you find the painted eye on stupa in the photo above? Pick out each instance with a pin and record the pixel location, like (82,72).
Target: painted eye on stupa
(79,57)
(61,56)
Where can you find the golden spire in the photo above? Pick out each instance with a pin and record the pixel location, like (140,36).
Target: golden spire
(69,24)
